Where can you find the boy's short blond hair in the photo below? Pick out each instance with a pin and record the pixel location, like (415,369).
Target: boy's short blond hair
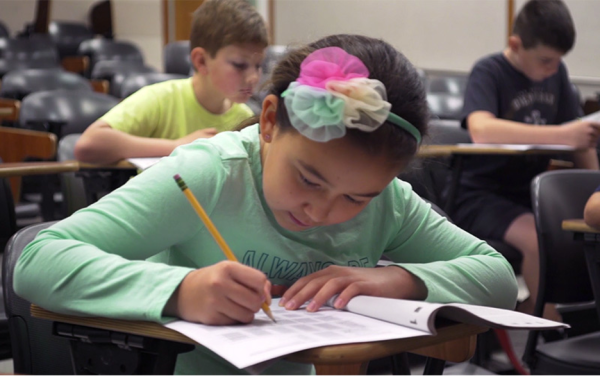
(219,23)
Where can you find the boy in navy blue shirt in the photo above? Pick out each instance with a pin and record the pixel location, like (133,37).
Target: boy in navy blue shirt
(521,96)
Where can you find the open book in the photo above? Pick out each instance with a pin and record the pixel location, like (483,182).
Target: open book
(365,319)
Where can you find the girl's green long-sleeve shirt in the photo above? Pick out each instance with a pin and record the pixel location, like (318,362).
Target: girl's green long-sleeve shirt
(95,262)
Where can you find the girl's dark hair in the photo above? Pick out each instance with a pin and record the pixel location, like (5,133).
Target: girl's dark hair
(405,92)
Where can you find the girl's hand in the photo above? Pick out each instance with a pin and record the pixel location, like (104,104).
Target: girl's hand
(387,282)
(221,294)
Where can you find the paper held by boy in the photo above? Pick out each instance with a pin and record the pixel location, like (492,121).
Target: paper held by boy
(143,163)
(365,319)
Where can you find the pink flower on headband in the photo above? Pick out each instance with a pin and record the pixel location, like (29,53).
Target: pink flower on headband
(330,64)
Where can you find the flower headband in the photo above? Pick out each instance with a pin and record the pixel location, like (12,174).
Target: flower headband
(333,92)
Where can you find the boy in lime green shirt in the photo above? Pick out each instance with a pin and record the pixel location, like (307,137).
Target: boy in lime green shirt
(227,42)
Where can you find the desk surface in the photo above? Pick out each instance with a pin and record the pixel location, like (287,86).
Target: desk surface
(459,339)
(578,225)
(36,168)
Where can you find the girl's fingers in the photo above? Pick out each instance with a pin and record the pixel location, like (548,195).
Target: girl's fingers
(252,278)
(345,286)
(327,273)
(230,312)
(296,299)
(244,297)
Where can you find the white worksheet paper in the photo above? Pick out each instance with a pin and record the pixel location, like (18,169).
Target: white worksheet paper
(143,163)
(592,117)
(262,340)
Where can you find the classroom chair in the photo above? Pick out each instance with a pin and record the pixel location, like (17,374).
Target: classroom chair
(19,53)
(81,350)
(176,58)
(559,195)
(18,84)
(67,36)
(100,18)
(106,49)
(35,349)
(136,81)
(8,228)
(115,72)
(447,84)
(63,112)
(445,105)
(4,33)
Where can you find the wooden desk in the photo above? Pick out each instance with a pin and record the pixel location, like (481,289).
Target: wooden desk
(36,168)
(591,238)
(433,151)
(454,343)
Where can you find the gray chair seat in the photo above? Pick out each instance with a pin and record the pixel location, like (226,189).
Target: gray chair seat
(581,355)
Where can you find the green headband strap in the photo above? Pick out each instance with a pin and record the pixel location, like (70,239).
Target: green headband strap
(392,117)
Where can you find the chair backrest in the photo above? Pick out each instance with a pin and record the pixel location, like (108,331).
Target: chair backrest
(4,33)
(18,84)
(100,49)
(176,57)
(116,72)
(136,81)
(555,196)
(72,186)
(35,349)
(120,51)
(100,17)
(68,35)
(71,111)
(447,84)
(7,212)
(445,105)
(27,53)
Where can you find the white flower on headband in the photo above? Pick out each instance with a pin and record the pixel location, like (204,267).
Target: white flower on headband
(366,106)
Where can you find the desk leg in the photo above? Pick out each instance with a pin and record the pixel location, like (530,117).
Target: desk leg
(592,255)
(434,366)
(457,165)
(342,369)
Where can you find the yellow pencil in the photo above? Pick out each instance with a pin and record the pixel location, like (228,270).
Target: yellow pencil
(213,230)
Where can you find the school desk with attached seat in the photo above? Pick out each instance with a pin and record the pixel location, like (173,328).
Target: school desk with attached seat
(454,343)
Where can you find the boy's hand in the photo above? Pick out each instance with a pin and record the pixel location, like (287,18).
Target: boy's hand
(582,134)
(387,282)
(221,294)
(202,133)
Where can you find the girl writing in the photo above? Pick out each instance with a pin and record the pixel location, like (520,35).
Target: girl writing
(307,198)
